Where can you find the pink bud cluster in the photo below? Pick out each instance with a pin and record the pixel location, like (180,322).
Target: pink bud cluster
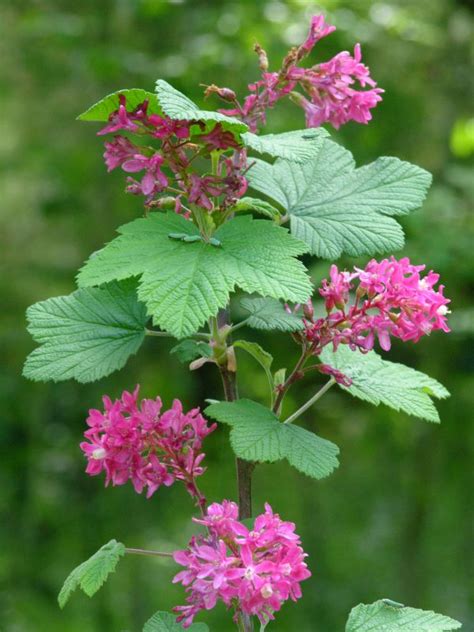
(254,571)
(333,87)
(136,441)
(167,166)
(392,300)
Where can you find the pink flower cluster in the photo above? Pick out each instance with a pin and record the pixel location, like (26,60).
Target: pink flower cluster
(254,571)
(137,441)
(330,86)
(392,299)
(175,154)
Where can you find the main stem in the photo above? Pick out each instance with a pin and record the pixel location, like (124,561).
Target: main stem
(244,468)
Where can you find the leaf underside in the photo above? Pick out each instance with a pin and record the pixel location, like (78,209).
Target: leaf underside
(337,209)
(378,381)
(178,106)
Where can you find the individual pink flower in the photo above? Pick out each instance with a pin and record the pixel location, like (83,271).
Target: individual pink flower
(164,127)
(218,139)
(318,30)
(136,441)
(154,179)
(121,119)
(118,151)
(253,571)
(336,292)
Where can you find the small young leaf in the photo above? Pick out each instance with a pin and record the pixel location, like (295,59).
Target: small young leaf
(258,206)
(383,616)
(268,314)
(335,208)
(183,284)
(379,381)
(87,334)
(260,355)
(166,622)
(188,350)
(258,435)
(176,105)
(92,573)
(279,377)
(101,110)
(297,145)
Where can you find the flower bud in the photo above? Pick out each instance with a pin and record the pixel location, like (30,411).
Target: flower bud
(226,94)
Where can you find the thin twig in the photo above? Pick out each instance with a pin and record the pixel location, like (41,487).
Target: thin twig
(148,552)
(310,402)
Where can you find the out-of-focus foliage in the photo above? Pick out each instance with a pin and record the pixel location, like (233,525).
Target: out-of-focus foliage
(395,518)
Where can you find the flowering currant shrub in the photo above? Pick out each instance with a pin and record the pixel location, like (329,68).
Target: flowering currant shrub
(228,210)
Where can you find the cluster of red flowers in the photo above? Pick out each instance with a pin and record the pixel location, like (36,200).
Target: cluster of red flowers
(254,571)
(392,299)
(175,154)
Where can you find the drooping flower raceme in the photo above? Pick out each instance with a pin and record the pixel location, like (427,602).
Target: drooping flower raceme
(392,299)
(132,440)
(337,91)
(253,571)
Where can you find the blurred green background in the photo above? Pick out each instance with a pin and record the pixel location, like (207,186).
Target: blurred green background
(396,518)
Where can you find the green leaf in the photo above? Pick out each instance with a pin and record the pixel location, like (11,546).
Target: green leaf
(381,382)
(297,145)
(101,110)
(91,574)
(183,284)
(268,314)
(336,208)
(258,206)
(177,106)
(188,350)
(258,435)
(85,335)
(166,622)
(384,616)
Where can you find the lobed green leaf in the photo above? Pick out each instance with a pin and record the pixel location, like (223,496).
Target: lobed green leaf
(166,622)
(92,574)
(258,435)
(101,110)
(269,314)
(87,334)
(184,283)
(388,616)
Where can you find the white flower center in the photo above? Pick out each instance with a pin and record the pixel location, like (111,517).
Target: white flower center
(266,591)
(442,310)
(98,453)
(249,572)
